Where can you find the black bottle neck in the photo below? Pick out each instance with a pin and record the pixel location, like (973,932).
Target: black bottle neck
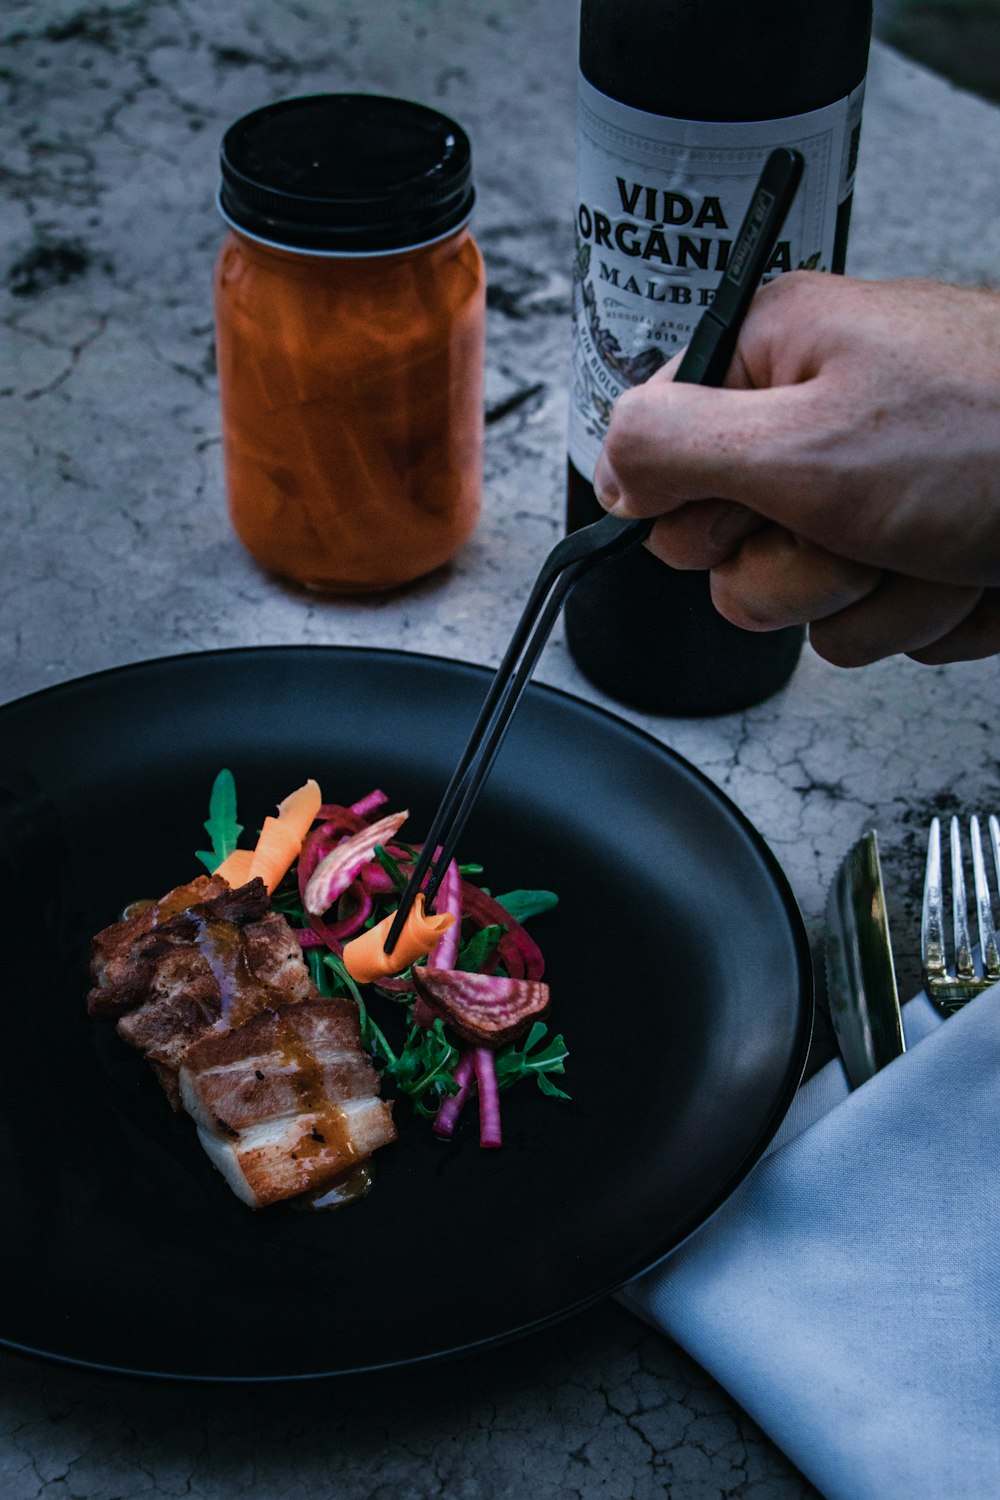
(725,59)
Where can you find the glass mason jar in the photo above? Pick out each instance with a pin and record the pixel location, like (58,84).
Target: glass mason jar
(350,317)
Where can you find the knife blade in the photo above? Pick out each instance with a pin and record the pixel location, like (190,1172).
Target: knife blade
(861,978)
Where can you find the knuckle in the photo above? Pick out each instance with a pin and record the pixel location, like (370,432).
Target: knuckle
(748,614)
(625,427)
(634,443)
(679,547)
(840,649)
(630,412)
(792,284)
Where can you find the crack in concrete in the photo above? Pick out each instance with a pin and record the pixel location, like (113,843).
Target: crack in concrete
(75,354)
(501,409)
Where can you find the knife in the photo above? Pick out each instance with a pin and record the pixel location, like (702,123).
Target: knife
(861,979)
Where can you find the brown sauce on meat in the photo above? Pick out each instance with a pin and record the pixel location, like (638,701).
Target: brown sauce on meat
(176,901)
(357,1182)
(135,907)
(329,1136)
(222,945)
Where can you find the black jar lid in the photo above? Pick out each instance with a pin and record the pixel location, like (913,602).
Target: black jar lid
(349,173)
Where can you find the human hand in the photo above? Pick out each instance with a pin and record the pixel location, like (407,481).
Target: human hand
(846,477)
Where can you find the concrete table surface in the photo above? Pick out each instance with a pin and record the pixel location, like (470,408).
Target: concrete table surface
(115,546)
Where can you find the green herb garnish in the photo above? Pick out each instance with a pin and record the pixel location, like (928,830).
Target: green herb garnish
(423,1066)
(513,1063)
(389,865)
(525,904)
(221,825)
(473,954)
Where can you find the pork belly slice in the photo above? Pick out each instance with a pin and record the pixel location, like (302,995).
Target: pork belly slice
(174,972)
(287,1101)
(280,1062)
(121,959)
(485,1009)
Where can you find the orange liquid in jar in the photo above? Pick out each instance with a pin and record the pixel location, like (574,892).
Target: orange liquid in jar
(350,312)
(352,407)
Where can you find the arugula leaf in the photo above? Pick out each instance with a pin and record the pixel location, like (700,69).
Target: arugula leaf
(390,866)
(288,901)
(339,968)
(221,825)
(423,1066)
(373,1039)
(525,904)
(513,1063)
(473,954)
(317,968)
(548,1087)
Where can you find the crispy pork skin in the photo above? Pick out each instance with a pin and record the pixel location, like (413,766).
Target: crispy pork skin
(287,1101)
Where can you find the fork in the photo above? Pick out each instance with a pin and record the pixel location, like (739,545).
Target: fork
(950,989)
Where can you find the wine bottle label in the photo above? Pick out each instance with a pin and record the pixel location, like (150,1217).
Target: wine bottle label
(659,202)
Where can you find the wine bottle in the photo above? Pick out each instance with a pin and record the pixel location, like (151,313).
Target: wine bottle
(680,103)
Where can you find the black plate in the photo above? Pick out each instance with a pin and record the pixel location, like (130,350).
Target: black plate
(680,975)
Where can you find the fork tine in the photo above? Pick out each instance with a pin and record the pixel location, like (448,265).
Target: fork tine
(951,988)
(959,914)
(984,905)
(994,826)
(932,919)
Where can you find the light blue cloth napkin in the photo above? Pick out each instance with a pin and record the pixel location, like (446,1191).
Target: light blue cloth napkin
(847,1295)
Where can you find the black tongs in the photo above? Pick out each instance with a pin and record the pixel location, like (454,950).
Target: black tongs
(705,362)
